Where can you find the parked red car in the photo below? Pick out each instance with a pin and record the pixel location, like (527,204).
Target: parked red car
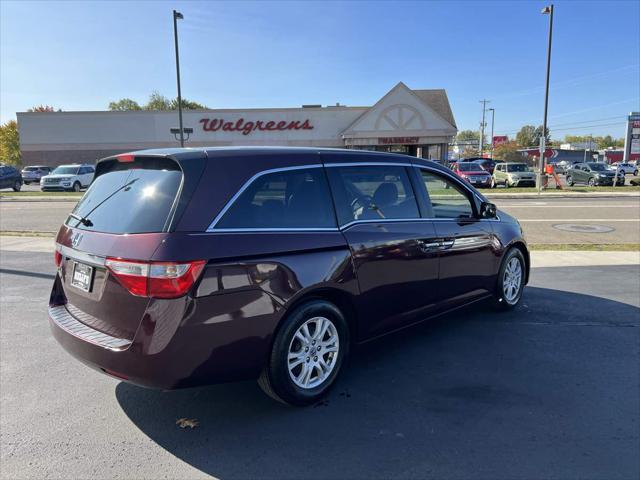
(186,267)
(473,173)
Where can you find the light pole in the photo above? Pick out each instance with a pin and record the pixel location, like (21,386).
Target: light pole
(493,117)
(177,15)
(543,138)
(482,125)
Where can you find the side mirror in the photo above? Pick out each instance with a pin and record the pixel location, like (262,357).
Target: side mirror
(488,210)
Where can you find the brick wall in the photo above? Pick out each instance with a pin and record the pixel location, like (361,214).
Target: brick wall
(53,158)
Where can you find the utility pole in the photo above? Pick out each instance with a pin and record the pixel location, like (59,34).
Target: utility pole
(543,138)
(483,124)
(493,117)
(177,15)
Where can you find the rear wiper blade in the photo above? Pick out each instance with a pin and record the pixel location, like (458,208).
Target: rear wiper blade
(83,220)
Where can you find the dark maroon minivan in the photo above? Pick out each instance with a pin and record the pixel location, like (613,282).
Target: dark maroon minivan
(186,267)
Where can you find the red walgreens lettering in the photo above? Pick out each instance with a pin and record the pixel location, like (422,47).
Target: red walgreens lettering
(215,124)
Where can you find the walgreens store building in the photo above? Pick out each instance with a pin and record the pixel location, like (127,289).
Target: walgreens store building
(416,122)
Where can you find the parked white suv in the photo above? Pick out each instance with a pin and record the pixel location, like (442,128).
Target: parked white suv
(68,177)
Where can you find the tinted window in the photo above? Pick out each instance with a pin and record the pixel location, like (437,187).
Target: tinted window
(137,200)
(448,200)
(288,199)
(372,193)
(598,167)
(518,167)
(66,170)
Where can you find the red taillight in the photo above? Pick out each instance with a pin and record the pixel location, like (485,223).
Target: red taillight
(126,157)
(156,279)
(57,257)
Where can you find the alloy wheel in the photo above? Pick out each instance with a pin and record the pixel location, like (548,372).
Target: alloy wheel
(313,352)
(512,280)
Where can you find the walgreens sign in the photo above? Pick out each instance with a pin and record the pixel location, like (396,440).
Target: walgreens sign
(247,127)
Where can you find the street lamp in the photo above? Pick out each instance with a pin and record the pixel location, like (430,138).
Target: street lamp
(493,115)
(177,15)
(543,162)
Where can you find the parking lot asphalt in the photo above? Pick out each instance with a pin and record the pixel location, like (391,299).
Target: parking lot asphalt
(550,390)
(539,217)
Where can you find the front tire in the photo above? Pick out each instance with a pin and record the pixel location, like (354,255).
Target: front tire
(592,182)
(511,277)
(307,354)
(76,187)
(570,180)
(635,173)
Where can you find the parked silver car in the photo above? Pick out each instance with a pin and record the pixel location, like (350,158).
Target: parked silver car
(34,173)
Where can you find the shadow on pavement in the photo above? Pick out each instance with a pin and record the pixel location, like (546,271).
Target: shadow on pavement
(548,390)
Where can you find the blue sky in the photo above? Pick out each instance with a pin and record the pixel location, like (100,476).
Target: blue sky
(81,55)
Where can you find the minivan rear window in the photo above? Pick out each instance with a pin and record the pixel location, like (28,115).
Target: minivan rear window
(130,198)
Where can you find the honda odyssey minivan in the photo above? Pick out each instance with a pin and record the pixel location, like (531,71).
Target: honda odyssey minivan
(185,267)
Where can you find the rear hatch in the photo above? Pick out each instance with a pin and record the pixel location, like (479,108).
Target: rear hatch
(105,246)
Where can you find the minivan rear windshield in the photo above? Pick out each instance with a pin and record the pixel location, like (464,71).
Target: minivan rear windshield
(130,198)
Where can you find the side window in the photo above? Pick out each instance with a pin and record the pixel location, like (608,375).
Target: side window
(82,171)
(287,199)
(372,193)
(448,200)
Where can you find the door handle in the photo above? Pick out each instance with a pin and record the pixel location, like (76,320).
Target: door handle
(447,243)
(430,245)
(435,244)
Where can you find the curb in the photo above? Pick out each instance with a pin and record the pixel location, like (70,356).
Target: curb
(40,199)
(563,195)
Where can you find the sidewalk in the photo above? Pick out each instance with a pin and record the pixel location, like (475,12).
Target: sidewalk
(559,194)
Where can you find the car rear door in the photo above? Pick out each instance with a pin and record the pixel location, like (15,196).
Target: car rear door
(392,246)
(466,243)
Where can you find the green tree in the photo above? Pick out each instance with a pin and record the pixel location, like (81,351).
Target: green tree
(124,104)
(526,137)
(10,143)
(42,108)
(508,152)
(187,105)
(158,102)
(606,141)
(538,134)
(468,136)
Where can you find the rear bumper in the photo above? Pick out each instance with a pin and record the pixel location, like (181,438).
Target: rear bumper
(179,343)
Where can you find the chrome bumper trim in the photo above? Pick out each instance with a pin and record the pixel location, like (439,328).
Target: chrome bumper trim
(67,322)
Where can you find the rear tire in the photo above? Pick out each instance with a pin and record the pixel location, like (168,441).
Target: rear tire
(293,354)
(511,278)
(635,173)
(17,186)
(570,181)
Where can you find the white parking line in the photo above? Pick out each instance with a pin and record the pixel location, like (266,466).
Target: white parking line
(579,220)
(520,205)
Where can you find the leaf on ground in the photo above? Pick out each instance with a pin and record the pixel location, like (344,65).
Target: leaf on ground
(187,422)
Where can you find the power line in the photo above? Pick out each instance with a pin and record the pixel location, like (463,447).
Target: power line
(576,124)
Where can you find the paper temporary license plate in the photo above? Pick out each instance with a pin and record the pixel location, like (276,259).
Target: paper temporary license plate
(82,275)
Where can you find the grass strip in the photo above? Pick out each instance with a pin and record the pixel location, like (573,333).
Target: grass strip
(588,247)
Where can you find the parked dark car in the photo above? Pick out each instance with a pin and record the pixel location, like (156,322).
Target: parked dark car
(187,267)
(10,178)
(593,174)
(487,164)
(34,173)
(473,173)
